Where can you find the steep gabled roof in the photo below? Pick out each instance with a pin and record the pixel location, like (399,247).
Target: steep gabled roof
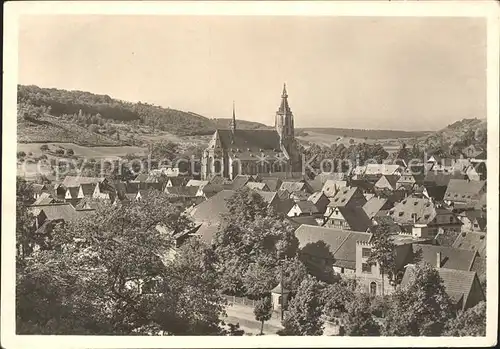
(331,187)
(268,196)
(64,212)
(73,192)
(249,139)
(463,190)
(182,191)
(272,183)
(374,205)
(292,186)
(387,181)
(413,210)
(87,188)
(44,199)
(75,181)
(451,258)
(309,235)
(306,206)
(472,241)
(343,196)
(345,256)
(381,169)
(240,181)
(315,197)
(257,186)
(457,283)
(356,217)
(210,209)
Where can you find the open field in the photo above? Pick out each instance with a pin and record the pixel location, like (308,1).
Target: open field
(82,151)
(323,139)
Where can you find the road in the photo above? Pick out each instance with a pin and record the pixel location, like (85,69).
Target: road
(243,315)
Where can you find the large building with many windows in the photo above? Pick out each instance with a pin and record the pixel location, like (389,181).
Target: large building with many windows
(249,152)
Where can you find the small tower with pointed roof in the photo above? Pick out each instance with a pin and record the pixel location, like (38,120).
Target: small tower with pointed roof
(284,118)
(232,124)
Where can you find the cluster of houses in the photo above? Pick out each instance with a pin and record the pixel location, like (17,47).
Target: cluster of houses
(436,211)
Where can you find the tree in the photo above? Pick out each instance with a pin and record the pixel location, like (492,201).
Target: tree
(383,251)
(114,272)
(93,128)
(70,152)
(335,298)
(263,311)
(470,322)
(357,319)
(25,220)
(304,311)
(21,154)
(421,307)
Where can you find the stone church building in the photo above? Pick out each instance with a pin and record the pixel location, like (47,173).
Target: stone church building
(249,152)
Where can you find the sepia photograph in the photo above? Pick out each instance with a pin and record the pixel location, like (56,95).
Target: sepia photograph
(257,170)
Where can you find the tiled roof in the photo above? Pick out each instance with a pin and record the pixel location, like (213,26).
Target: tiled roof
(268,196)
(345,256)
(308,220)
(210,209)
(284,205)
(272,183)
(87,188)
(216,180)
(210,190)
(479,266)
(343,197)
(451,258)
(331,187)
(240,181)
(472,241)
(249,139)
(387,181)
(463,190)
(65,212)
(257,185)
(292,186)
(374,205)
(196,183)
(457,283)
(299,195)
(73,192)
(412,210)
(356,217)
(436,192)
(440,178)
(207,232)
(308,235)
(182,191)
(283,194)
(75,181)
(44,199)
(382,169)
(179,181)
(306,206)
(362,184)
(39,188)
(315,197)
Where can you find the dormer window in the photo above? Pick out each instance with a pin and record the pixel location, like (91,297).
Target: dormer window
(415,203)
(401,214)
(404,202)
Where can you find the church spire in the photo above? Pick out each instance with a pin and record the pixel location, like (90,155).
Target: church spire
(284,94)
(232,125)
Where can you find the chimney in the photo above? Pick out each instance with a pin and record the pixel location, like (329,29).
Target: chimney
(438,260)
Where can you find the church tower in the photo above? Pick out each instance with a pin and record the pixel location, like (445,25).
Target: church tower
(232,124)
(284,120)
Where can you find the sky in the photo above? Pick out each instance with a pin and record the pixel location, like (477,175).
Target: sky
(411,73)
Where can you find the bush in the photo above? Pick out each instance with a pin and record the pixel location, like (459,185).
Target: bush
(70,152)
(43,157)
(44,147)
(60,151)
(21,154)
(93,128)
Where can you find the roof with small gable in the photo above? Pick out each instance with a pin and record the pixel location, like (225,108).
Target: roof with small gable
(292,186)
(257,186)
(373,206)
(451,258)
(306,206)
(472,241)
(44,199)
(210,209)
(387,181)
(331,187)
(413,210)
(343,196)
(356,217)
(75,181)
(464,190)
(272,183)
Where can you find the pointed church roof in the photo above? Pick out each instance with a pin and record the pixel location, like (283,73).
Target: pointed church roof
(277,289)
(232,125)
(284,107)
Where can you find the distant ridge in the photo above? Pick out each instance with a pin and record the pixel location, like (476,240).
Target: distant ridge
(362,133)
